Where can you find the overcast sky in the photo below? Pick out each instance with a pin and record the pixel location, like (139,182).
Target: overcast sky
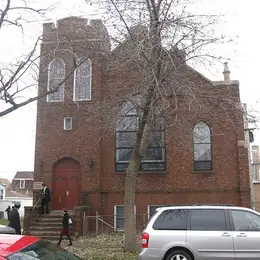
(17,130)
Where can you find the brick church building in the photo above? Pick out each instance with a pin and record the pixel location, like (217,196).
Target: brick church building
(82,165)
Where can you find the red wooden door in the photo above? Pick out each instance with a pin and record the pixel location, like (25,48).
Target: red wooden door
(66,188)
(59,192)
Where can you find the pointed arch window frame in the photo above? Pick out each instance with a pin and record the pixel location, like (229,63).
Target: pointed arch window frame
(76,78)
(61,78)
(131,115)
(206,164)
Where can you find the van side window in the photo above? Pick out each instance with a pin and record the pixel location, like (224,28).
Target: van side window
(245,221)
(171,219)
(207,219)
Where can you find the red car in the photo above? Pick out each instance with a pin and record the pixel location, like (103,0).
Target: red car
(14,247)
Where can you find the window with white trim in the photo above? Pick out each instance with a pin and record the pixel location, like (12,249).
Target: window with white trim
(154,158)
(1,194)
(152,209)
(56,75)
(119,213)
(202,147)
(2,214)
(22,184)
(82,79)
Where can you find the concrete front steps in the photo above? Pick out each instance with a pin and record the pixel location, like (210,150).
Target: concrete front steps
(47,226)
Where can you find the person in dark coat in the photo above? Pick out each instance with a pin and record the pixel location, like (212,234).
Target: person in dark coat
(14,219)
(8,211)
(65,228)
(46,197)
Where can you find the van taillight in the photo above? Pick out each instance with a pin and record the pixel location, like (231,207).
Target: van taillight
(145,240)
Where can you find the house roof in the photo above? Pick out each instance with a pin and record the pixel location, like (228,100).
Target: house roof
(14,194)
(5,182)
(23,175)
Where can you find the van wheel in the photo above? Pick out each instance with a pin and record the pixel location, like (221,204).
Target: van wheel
(178,255)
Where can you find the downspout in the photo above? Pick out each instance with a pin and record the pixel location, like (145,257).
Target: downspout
(251,171)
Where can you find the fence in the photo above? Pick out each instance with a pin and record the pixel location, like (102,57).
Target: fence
(103,224)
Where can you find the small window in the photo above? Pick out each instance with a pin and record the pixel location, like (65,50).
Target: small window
(1,194)
(67,123)
(2,214)
(22,184)
(207,219)
(60,178)
(82,80)
(245,221)
(171,219)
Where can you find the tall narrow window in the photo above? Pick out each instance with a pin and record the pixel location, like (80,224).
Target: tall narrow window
(56,76)
(154,158)
(82,80)
(22,184)
(202,147)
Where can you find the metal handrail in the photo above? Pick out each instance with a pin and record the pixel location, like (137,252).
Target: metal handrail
(36,204)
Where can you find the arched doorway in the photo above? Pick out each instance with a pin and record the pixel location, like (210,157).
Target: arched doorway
(66,184)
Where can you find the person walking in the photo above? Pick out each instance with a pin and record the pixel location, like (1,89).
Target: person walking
(14,219)
(65,227)
(8,212)
(46,197)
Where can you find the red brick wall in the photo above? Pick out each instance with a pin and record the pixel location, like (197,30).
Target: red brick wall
(228,183)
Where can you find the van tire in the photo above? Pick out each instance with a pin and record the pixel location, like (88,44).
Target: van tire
(184,255)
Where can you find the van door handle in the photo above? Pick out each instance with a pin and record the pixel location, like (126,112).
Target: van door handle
(225,234)
(242,235)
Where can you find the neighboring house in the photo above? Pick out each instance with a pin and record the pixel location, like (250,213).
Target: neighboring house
(80,166)
(22,182)
(5,182)
(11,197)
(3,202)
(8,198)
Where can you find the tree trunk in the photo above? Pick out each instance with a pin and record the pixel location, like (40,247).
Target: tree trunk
(129,211)
(153,74)
(130,181)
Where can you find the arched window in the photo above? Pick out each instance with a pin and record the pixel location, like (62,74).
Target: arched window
(154,158)
(202,147)
(82,79)
(56,75)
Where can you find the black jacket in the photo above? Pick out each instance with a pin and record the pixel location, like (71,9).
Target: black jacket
(14,221)
(65,220)
(47,193)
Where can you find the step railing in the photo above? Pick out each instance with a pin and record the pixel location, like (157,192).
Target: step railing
(30,216)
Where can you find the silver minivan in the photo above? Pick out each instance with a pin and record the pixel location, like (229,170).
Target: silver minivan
(202,233)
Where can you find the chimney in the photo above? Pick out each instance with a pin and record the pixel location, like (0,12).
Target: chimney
(226,73)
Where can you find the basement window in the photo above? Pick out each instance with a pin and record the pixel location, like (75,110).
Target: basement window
(119,213)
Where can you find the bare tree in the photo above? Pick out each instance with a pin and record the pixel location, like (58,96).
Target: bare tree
(154,40)
(19,79)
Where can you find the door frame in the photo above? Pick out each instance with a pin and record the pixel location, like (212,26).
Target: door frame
(53,175)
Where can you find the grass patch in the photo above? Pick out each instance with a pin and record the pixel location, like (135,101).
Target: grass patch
(103,247)
(3,221)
